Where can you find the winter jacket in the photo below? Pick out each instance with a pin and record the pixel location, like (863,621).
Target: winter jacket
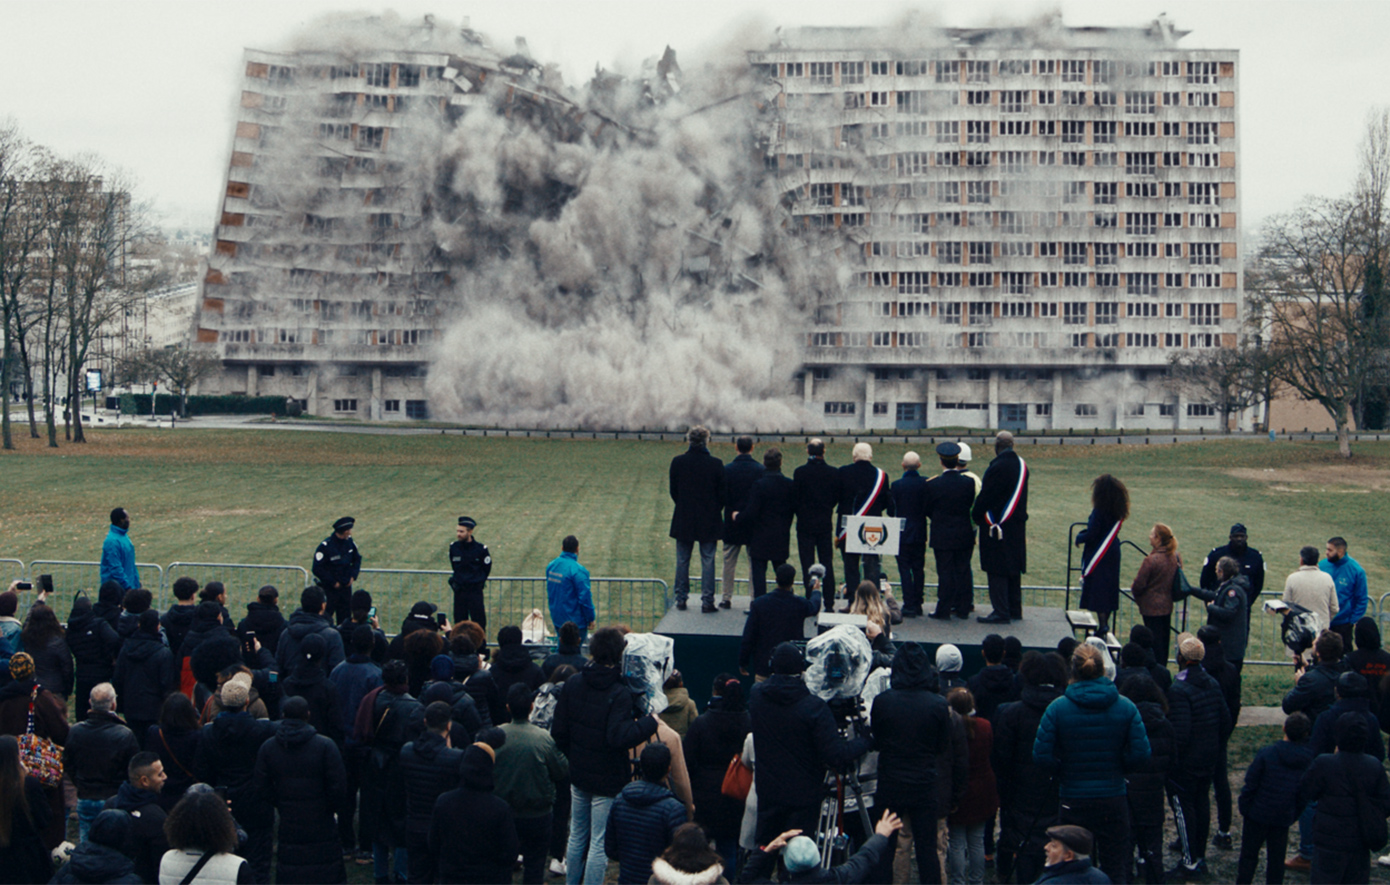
(227,756)
(352,679)
(795,740)
(761,864)
(265,621)
(1009,554)
(697,488)
(981,795)
(325,711)
(1200,722)
(26,858)
(222,869)
(567,592)
(564,654)
(1073,872)
(1100,590)
(912,730)
(665,874)
(428,769)
(775,617)
(97,863)
(482,687)
(1228,612)
(1323,739)
(1352,595)
(381,647)
(1332,781)
(53,666)
(595,725)
(50,721)
(680,711)
(1252,568)
(178,750)
(714,738)
(1228,680)
(300,773)
(118,559)
(393,720)
(641,823)
(527,770)
(300,625)
(767,518)
(512,664)
(472,834)
(817,487)
(395,650)
(678,779)
(1153,586)
(176,623)
(94,644)
(96,754)
(1028,802)
(1314,691)
(1091,736)
(145,843)
(145,675)
(1147,784)
(992,686)
(1270,793)
(739,476)
(203,629)
(1369,659)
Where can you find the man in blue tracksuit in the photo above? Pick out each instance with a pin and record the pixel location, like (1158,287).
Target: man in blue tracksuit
(1352,593)
(567,589)
(118,554)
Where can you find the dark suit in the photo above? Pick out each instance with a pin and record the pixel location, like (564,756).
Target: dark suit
(910,503)
(1004,559)
(857,481)
(947,501)
(817,494)
(697,487)
(778,617)
(739,476)
(768,517)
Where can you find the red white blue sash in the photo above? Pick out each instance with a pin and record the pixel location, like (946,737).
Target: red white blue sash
(1104,548)
(996,527)
(879,481)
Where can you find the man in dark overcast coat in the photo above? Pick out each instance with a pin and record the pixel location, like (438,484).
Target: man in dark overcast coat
(739,476)
(697,488)
(817,492)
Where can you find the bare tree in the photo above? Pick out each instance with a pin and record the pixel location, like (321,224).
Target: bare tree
(21,237)
(1221,375)
(179,367)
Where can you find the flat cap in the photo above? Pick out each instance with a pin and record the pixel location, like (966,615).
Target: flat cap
(1078,839)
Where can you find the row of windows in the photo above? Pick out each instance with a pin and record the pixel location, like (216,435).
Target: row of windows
(1100,193)
(1134,223)
(984,252)
(1041,410)
(357,337)
(971,340)
(980,71)
(414,408)
(1010,162)
(375,74)
(1072,312)
(1070,131)
(1009,101)
(912,282)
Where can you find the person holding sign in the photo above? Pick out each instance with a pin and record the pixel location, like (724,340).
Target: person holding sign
(1001,512)
(1100,549)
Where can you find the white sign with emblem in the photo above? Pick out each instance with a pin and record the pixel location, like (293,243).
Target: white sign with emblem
(872,534)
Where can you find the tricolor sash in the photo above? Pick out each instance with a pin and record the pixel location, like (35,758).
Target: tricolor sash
(1104,548)
(879,481)
(996,526)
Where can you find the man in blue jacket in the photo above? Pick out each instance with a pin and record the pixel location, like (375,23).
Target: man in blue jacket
(118,554)
(1352,593)
(567,589)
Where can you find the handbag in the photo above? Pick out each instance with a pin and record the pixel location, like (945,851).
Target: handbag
(41,756)
(1181,589)
(738,779)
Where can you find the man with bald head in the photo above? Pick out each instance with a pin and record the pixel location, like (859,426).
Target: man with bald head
(863,492)
(910,503)
(1001,512)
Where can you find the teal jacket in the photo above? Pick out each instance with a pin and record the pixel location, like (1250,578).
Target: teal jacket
(118,559)
(567,588)
(1091,736)
(528,767)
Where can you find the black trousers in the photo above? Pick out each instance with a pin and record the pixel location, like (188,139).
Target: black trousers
(1161,626)
(1275,840)
(923,823)
(339,603)
(533,834)
(1221,786)
(1006,594)
(873,570)
(818,549)
(1148,840)
(1108,821)
(1191,799)
(912,563)
(259,847)
(757,573)
(469,605)
(773,820)
(419,863)
(1332,866)
(353,760)
(955,590)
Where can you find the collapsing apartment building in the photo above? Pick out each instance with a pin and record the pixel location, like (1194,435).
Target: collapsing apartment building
(1025,223)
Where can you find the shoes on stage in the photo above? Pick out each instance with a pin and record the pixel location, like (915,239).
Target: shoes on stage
(845,610)
(708,608)
(724,603)
(681,606)
(912,612)
(993,618)
(939,617)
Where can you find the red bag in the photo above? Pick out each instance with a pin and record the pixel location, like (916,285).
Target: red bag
(738,779)
(187,683)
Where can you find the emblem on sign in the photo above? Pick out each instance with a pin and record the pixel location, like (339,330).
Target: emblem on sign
(873,534)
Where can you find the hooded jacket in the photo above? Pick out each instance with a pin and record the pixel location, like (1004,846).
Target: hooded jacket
(267,622)
(1270,793)
(1200,721)
(1148,783)
(992,686)
(301,774)
(641,823)
(227,756)
(1369,659)
(118,559)
(203,629)
(176,622)
(568,593)
(1091,736)
(428,769)
(1323,740)
(1333,781)
(595,725)
(512,664)
(564,654)
(145,675)
(795,740)
(300,625)
(1228,612)
(482,687)
(353,679)
(529,767)
(100,859)
(325,712)
(472,832)
(145,843)
(1314,691)
(94,644)
(1027,790)
(680,711)
(912,729)
(713,739)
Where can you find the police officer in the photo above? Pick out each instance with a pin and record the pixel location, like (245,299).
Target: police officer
(336,564)
(471,564)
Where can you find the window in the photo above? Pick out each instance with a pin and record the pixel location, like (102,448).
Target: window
(878,68)
(1103,131)
(823,194)
(946,158)
(1140,163)
(1201,72)
(1013,101)
(1167,410)
(1170,68)
(1047,158)
(1073,71)
(1197,219)
(1015,223)
(981,280)
(882,339)
(1142,190)
(839,408)
(377,75)
(1103,192)
(1105,253)
(1107,280)
(948,312)
(948,253)
(1048,280)
(1204,253)
(1086,410)
(408,75)
(1110,339)
(977,97)
(977,158)
(948,219)
(822,73)
(1104,99)
(1142,283)
(821,373)
(1073,132)
(345,405)
(1042,410)
(1102,71)
(1203,193)
(1141,250)
(1201,133)
(879,100)
(851,72)
(1201,99)
(1047,250)
(912,282)
(1074,313)
(391,405)
(1016,67)
(1172,219)
(1204,314)
(977,71)
(977,191)
(1107,313)
(1141,339)
(370,138)
(981,313)
(1073,253)
(948,72)
(1139,103)
(1073,280)
(1201,410)
(1172,311)
(1139,129)
(1073,158)
(977,132)
(1134,410)
(1171,99)
(1143,309)
(912,309)
(1016,284)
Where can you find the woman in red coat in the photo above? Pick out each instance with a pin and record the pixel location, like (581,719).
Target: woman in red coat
(50,721)
(966,852)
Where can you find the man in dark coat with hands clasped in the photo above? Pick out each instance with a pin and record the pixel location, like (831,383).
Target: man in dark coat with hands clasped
(771,507)
(697,488)
(1001,512)
(910,503)
(739,476)
(817,492)
(952,539)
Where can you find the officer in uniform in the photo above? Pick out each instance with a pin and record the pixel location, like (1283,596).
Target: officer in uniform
(336,564)
(909,499)
(947,504)
(472,563)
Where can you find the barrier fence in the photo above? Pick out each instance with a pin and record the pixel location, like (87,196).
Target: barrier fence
(71,576)
(242,580)
(12,570)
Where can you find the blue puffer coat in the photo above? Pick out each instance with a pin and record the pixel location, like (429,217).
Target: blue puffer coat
(1091,736)
(1270,794)
(641,823)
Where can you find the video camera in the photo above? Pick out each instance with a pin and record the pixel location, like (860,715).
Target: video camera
(648,661)
(837,666)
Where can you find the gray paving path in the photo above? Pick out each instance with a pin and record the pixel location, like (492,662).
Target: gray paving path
(1261,716)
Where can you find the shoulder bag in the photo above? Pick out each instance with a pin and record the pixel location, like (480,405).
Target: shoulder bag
(41,756)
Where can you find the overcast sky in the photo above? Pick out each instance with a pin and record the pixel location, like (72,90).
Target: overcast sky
(150,85)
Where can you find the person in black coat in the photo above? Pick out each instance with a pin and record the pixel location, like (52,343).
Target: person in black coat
(864,491)
(175,739)
(300,773)
(207,624)
(472,836)
(396,719)
(568,650)
(910,504)
(817,486)
(697,488)
(263,618)
(995,684)
(1100,549)
(310,618)
(94,644)
(1335,781)
(139,797)
(178,620)
(1200,719)
(512,663)
(714,738)
(100,858)
(795,741)
(950,497)
(309,683)
(1353,696)
(1269,801)
(778,617)
(44,640)
(1316,689)
(1369,659)
(1228,678)
(1001,512)
(226,757)
(1028,802)
(912,730)
(739,476)
(1147,785)
(429,768)
(1252,566)
(768,519)
(479,683)
(596,724)
(336,565)
(362,616)
(145,675)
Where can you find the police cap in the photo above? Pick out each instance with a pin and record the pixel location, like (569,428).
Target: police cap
(468,522)
(344,524)
(948,450)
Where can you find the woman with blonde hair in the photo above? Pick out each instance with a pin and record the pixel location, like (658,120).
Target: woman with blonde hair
(869,601)
(1153,588)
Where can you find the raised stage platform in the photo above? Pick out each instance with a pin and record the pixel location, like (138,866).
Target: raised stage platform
(707,645)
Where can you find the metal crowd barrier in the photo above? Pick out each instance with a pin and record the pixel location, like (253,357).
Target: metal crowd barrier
(242,580)
(70,576)
(12,570)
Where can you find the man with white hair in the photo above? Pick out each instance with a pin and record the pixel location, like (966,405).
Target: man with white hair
(863,492)
(96,756)
(910,504)
(1001,512)
(697,488)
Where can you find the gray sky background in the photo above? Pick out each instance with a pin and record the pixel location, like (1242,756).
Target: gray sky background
(151,85)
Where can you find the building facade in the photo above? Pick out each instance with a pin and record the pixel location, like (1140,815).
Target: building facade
(1035,221)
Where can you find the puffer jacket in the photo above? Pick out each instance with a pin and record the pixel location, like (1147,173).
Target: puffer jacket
(53,666)
(1148,783)
(912,730)
(428,770)
(714,738)
(992,686)
(145,675)
(1270,794)
(1314,692)
(299,626)
(94,644)
(1228,680)
(1333,781)
(641,823)
(176,623)
(95,864)
(1091,736)
(1323,739)
(265,621)
(96,754)
(512,664)
(795,740)
(1028,802)
(595,725)
(482,688)
(227,756)
(1200,719)
(301,774)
